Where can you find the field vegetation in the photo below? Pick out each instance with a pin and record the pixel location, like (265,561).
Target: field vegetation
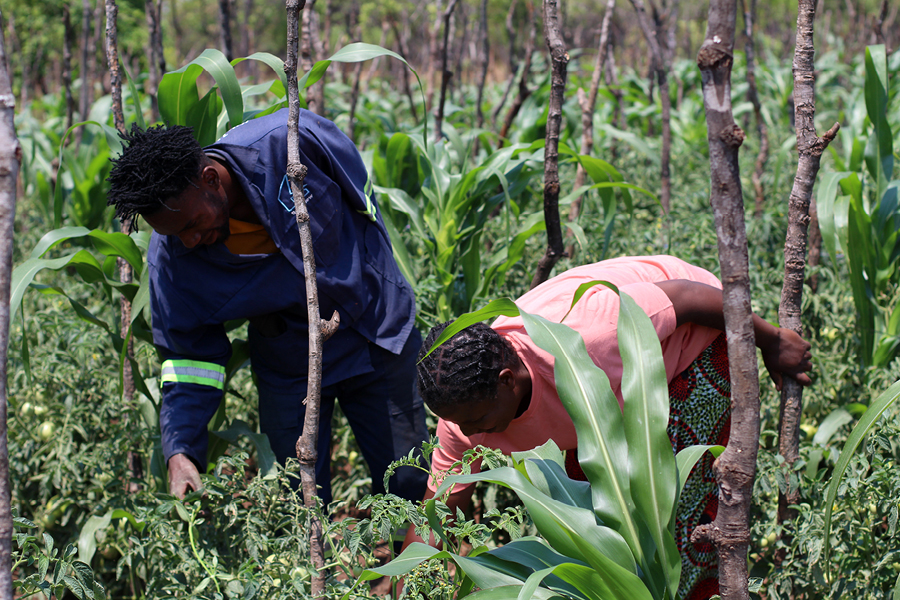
(92,514)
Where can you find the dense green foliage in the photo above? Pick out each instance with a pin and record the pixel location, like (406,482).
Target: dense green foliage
(70,432)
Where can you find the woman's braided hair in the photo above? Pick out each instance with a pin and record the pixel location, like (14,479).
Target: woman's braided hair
(463,369)
(155,165)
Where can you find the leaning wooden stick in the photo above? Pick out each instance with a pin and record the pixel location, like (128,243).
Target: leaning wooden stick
(736,468)
(319,330)
(810,148)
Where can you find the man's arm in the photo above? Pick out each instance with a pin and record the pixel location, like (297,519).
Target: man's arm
(784,352)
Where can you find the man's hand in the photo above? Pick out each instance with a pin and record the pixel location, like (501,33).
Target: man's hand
(786,353)
(183,476)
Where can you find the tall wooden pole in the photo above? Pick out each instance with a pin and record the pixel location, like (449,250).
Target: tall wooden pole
(319,330)
(736,468)
(10,159)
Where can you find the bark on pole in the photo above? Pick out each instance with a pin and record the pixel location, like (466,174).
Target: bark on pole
(484,60)
(225,29)
(559,59)
(88,48)
(10,159)
(68,42)
(135,467)
(446,74)
(319,330)
(309,54)
(810,148)
(736,468)
(588,104)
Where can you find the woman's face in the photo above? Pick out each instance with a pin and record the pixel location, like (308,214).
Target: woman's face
(490,415)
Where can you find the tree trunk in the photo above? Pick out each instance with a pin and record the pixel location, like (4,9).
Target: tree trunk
(446,74)
(736,468)
(588,104)
(68,42)
(10,158)
(749,11)
(315,95)
(225,29)
(810,148)
(484,60)
(612,81)
(248,41)
(559,59)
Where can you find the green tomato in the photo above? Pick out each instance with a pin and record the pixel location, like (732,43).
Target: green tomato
(47,430)
(26,410)
(896,567)
(772,537)
(39,410)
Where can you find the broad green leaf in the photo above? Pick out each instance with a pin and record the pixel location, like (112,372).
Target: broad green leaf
(825,203)
(24,274)
(119,244)
(550,478)
(865,425)
(559,523)
(688,457)
(203,117)
(218,66)
(54,237)
(509,592)
(829,426)
(87,541)
(275,63)
(177,94)
(651,461)
(879,150)
(585,393)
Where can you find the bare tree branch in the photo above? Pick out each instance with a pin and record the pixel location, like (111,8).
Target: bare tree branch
(445,73)
(559,59)
(810,148)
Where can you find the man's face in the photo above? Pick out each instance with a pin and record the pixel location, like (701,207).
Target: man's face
(199,215)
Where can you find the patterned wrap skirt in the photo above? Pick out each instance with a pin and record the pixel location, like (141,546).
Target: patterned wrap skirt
(699,413)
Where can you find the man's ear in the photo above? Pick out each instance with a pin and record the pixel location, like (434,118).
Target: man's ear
(210,176)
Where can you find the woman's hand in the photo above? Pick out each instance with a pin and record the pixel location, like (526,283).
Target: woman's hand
(785,353)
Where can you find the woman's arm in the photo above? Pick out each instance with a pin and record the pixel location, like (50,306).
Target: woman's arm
(784,352)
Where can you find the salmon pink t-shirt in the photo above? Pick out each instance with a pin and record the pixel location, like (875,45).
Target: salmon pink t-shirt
(594,316)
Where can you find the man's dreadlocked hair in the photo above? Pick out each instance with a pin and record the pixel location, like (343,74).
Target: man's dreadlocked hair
(464,368)
(155,165)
